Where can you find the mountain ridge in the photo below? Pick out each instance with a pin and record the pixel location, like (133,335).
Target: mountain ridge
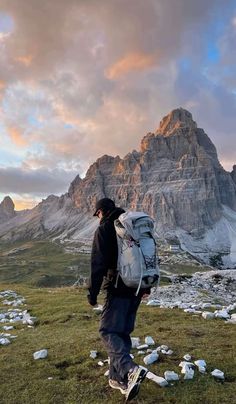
(175,176)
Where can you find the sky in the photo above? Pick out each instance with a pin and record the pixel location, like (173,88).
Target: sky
(83,78)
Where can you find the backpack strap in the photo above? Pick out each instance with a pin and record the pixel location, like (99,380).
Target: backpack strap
(141,275)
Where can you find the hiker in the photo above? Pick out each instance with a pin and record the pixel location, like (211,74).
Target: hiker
(121,303)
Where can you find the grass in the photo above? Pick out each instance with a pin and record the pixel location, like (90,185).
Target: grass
(68,328)
(40,263)
(46,264)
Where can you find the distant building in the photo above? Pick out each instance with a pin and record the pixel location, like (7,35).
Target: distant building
(174,247)
(85,250)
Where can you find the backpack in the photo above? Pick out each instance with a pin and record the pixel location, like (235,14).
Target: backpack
(137,263)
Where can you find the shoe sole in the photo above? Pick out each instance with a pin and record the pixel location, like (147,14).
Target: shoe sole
(123,391)
(133,392)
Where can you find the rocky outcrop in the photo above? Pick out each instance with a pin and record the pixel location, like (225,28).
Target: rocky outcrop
(7,209)
(233,174)
(176,177)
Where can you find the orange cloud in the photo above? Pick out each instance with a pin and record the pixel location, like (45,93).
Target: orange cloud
(64,148)
(25,60)
(17,137)
(2,85)
(65,115)
(131,62)
(21,204)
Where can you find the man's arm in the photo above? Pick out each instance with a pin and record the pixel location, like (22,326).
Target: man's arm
(98,264)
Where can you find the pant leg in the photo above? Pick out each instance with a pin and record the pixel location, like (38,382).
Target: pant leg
(117,322)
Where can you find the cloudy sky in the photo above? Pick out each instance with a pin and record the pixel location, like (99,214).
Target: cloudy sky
(83,78)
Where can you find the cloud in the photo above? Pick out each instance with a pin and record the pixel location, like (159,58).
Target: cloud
(79,79)
(24,202)
(25,60)
(130,63)
(38,182)
(17,137)
(2,85)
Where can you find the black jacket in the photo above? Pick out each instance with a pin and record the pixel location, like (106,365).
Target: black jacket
(104,260)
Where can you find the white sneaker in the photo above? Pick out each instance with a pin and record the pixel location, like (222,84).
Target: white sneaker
(135,377)
(114,384)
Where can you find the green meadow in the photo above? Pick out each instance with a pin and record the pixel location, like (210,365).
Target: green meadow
(68,327)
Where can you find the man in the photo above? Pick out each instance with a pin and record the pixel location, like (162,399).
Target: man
(121,303)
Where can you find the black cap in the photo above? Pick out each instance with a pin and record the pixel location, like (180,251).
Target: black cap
(105,204)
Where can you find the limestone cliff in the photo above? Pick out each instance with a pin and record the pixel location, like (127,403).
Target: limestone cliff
(176,177)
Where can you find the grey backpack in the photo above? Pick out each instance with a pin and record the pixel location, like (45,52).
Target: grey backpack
(137,253)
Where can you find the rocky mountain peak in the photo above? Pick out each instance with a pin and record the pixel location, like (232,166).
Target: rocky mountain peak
(178,118)
(7,204)
(74,184)
(7,209)
(233,174)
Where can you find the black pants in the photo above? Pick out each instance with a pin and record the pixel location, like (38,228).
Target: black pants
(117,323)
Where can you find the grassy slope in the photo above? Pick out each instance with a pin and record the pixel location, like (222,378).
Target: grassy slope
(68,328)
(41,263)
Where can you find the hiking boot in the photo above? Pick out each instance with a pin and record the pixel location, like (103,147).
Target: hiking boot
(114,384)
(135,377)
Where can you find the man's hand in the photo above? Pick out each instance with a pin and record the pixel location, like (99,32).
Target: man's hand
(92,301)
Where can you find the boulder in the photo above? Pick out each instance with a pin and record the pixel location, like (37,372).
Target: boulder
(42,354)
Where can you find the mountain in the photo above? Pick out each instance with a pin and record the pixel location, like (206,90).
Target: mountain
(175,176)
(7,209)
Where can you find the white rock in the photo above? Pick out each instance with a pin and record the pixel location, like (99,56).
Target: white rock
(217,306)
(164,347)
(208,315)
(170,375)
(149,340)
(153,302)
(189,374)
(144,346)
(151,358)
(200,363)
(187,357)
(106,373)
(232,319)
(42,354)
(4,341)
(135,342)
(28,319)
(8,327)
(169,352)
(93,354)
(222,314)
(141,352)
(100,363)
(131,355)
(185,363)
(202,369)
(157,379)
(218,374)
(206,305)
(98,309)
(231,307)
